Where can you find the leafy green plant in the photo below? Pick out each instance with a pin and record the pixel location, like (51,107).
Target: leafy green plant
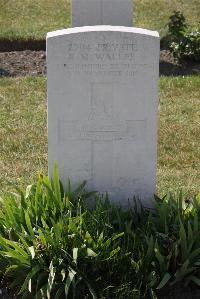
(177,25)
(55,244)
(44,237)
(184,41)
(177,246)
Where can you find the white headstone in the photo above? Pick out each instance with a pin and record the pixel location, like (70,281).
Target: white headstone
(102,12)
(102,108)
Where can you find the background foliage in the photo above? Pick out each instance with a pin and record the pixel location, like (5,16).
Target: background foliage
(183,41)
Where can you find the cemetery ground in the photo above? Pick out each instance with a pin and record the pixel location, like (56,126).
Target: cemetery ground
(23,156)
(23,143)
(23,138)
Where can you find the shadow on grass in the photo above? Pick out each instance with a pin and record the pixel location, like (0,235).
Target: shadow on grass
(185,69)
(4,73)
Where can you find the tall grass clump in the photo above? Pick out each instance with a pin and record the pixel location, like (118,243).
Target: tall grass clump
(55,244)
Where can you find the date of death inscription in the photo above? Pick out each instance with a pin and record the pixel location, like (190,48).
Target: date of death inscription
(101,59)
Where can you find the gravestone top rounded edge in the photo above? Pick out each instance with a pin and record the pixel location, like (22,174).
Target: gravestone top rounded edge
(101,28)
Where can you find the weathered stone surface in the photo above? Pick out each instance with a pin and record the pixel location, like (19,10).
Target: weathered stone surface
(102,108)
(102,12)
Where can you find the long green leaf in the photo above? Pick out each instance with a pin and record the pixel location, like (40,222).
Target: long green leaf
(164,281)
(28,224)
(190,234)
(8,244)
(75,255)
(59,293)
(92,292)
(183,243)
(52,273)
(150,250)
(37,197)
(196,224)
(32,251)
(42,237)
(56,183)
(91,252)
(79,190)
(195,279)
(16,256)
(113,253)
(195,253)
(31,274)
(70,278)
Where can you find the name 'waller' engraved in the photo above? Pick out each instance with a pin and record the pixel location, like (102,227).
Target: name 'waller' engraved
(98,58)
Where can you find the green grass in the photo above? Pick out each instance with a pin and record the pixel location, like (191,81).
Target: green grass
(29,19)
(179,134)
(23,132)
(154,14)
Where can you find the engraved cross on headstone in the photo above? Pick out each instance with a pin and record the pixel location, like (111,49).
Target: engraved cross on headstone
(102,12)
(102,129)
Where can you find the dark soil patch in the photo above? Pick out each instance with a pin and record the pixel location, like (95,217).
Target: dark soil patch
(22,63)
(7,45)
(179,292)
(171,67)
(33,63)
